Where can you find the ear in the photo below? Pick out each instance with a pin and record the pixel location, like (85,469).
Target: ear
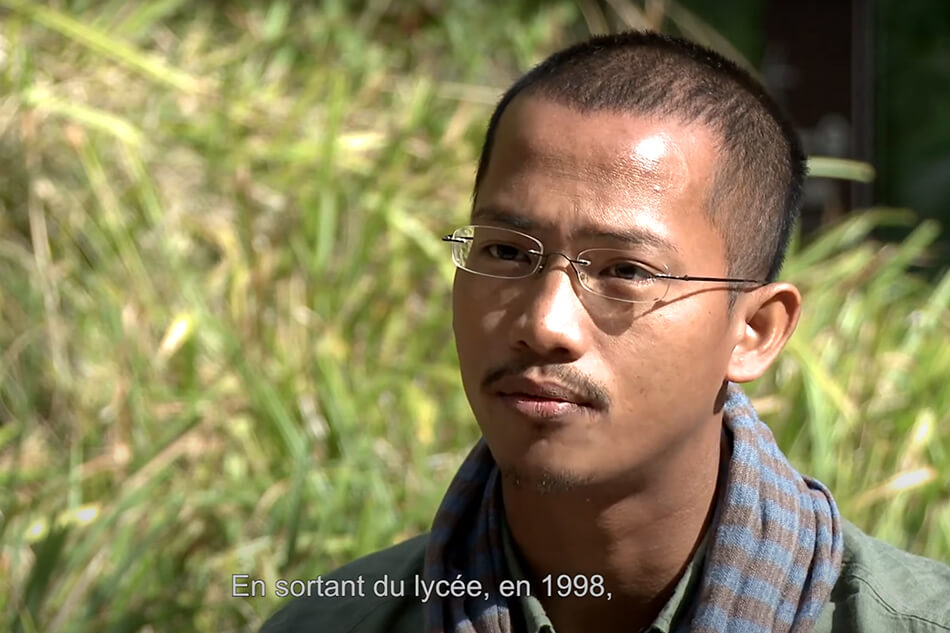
(765,318)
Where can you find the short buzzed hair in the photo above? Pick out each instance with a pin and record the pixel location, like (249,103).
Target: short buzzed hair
(757,188)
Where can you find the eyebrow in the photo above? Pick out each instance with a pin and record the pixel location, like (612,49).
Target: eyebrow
(631,236)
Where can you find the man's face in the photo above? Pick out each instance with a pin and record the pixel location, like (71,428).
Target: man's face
(649,375)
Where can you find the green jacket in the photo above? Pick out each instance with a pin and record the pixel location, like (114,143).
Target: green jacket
(881,589)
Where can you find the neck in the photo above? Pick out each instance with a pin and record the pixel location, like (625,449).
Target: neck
(639,536)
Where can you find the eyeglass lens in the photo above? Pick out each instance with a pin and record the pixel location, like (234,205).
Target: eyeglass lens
(508,254)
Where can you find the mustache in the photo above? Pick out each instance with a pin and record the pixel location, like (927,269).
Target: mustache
(565,375)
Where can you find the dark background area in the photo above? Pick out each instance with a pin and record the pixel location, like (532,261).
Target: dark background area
(865,79)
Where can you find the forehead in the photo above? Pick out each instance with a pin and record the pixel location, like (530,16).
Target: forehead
(602,172)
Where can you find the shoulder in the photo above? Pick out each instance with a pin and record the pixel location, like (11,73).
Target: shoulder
(365,612)
(883,588)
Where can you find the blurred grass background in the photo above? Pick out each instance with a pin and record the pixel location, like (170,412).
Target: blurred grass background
(225,340)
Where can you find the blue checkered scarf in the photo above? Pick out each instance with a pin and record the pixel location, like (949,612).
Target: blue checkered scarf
(773,556)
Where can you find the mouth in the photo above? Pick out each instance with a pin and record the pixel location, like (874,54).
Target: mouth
(542,399)
(541,407)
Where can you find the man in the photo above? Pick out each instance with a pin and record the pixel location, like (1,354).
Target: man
(617,279)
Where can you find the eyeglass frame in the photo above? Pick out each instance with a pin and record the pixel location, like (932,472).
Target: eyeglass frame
(542,256)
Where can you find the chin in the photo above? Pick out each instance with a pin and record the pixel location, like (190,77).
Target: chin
(565,464)
(545,480)
(546,466)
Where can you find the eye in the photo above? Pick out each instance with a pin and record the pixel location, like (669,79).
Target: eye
(628,271)
(504,251)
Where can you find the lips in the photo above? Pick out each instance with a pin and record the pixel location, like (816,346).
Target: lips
(537,409)
(528,389)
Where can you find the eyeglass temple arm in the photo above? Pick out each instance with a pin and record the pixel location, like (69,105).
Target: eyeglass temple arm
(721,279)
(452,238)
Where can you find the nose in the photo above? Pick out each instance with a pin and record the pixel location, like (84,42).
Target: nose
(552,321)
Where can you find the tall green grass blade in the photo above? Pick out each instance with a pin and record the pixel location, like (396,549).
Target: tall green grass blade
(43,574)
(106,45)
(84,115)
(839,168)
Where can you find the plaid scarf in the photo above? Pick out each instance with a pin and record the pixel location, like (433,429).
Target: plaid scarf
(773,556)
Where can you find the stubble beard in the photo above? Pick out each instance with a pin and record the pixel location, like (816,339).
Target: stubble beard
(544,482)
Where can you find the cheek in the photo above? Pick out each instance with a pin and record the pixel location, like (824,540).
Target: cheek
(461,317)
(669,361)
(482,301)
(474,319)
